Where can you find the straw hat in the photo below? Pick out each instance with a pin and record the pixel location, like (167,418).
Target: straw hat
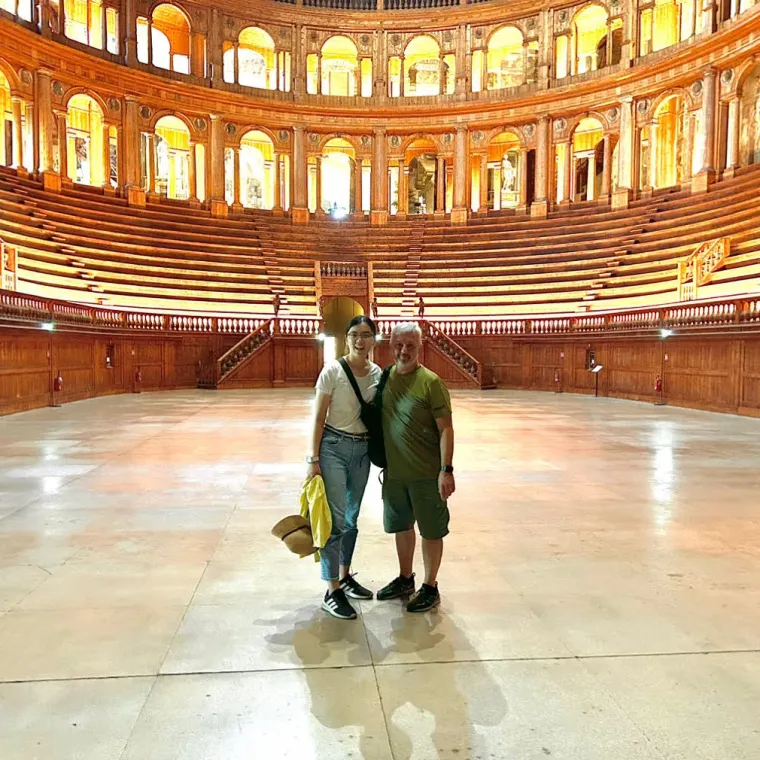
(295,532)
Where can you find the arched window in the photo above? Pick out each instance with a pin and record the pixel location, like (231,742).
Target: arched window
(749,119)
(506,59)
(588,160)
(424,70)
(256,66)
(24,8)
(172,146)
(92,23)
(257,170)
(503,171)
(170,39)
(338,177)
(6,119)
(663,150)
(418,190)
(588,30)
(340,73)
(87,142)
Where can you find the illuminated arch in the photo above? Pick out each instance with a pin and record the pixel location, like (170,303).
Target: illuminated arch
(340,66)
(172,147)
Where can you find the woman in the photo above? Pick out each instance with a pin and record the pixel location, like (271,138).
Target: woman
(339,453)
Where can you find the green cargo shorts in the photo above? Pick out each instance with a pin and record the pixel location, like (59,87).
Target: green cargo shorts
(407,502)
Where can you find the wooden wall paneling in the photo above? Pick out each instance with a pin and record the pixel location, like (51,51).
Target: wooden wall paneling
(630,367)
(698,372)
(545,361)
(73,355)
(25,381)
(749,402)
(303,361)
(436,362)
(260,371)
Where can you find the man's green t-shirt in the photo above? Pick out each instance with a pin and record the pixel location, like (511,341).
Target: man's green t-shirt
(411,404)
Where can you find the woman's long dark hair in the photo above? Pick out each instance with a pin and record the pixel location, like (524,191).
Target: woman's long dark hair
(363,319)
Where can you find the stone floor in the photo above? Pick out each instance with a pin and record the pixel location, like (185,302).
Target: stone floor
(601,589)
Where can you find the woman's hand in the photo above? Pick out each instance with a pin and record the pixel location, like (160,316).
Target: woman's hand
(312,470)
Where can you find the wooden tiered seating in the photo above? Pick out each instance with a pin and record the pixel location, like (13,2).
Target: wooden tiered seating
(589,255)
(81,245)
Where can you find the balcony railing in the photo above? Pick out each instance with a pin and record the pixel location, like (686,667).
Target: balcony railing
(726,313)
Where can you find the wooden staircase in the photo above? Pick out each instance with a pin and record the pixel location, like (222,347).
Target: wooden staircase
(697,269)
(231,362)
(467,365)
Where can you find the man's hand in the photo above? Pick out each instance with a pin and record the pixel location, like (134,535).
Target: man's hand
(446,485)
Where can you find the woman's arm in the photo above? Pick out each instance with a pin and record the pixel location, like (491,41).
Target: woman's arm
(321,405)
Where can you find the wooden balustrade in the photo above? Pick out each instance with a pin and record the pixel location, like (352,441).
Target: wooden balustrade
(26,308)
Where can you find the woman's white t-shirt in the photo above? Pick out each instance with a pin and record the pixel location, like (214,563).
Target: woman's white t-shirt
(343,412)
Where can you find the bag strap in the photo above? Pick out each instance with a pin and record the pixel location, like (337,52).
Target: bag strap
(381,386)
(352,380)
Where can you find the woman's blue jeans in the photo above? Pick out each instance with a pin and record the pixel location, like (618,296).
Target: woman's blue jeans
(344,462)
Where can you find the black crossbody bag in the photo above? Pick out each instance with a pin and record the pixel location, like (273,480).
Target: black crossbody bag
(371,415)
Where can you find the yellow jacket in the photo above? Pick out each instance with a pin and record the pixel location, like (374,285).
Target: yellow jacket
(316,510)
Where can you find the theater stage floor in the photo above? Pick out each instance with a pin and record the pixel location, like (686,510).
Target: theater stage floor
(601,589)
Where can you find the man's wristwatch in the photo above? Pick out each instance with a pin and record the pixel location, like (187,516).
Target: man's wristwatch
(312,460)
(447,468)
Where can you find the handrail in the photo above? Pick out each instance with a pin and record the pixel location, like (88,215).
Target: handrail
(241,343)
(462,358)
(721,312)
(695,269)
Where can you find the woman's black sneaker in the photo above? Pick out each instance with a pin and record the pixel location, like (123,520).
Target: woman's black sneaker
(338,606)
(400,586)
(354,589)
(425,599)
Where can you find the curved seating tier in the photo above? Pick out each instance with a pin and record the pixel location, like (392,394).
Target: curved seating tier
(82,245)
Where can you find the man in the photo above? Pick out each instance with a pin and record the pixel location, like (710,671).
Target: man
(419,443)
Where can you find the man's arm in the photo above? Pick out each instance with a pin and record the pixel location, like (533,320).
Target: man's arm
(446,484)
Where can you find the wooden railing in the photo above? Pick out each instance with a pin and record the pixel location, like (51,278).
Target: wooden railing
(343,269)
(244,348)
(718,313)
(697,269)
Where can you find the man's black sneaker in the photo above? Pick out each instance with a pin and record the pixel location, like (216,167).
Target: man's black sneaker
(400,586)
(354,589)
(338,606)
(425,599)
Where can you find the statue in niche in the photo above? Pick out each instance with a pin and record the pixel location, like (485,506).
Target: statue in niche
(507,175)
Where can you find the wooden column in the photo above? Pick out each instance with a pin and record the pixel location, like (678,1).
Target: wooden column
(128,32)
(379,200)
(540,205)
(63,152)
(18,133)
(459,208)
(131,142)
(403,187)
(198,56)
(192,181)
(300,177)
(621,198)
(236,204)
(706,175)
(150,40)
(216,157)
(522,178)
(152,163)
(277,182)
(440,186)
(45,120)
(318,184)
(106,156)
(235,61)
(565,167)
(483,203)
(732,146)
(607,169)
(358,196)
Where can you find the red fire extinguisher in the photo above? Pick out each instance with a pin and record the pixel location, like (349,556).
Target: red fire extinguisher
(138,380)
(658,388)
(57,387)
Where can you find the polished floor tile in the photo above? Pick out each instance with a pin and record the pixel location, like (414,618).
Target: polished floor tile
(601,589)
